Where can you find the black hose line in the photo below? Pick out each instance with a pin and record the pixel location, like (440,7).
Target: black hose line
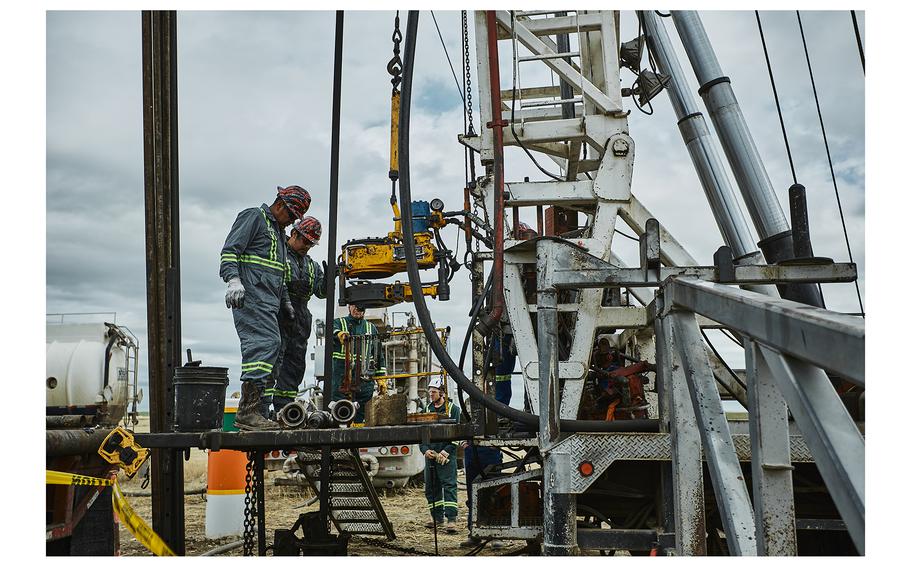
(475,311)
(420,304)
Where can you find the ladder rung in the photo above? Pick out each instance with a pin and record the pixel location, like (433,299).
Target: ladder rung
(524,58)
(553,102)
(541,12)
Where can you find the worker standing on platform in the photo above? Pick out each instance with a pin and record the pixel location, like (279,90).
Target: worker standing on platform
(306,280)
(440,472)
(353,327)
(254,265)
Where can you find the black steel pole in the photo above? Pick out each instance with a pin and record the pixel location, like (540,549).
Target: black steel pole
(162,238)
(325,470)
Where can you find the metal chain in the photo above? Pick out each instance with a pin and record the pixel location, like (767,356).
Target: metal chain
(395,65)
(467,67)
(248,508)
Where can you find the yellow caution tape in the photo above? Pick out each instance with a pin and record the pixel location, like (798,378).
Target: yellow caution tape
(134,523)
(63,478)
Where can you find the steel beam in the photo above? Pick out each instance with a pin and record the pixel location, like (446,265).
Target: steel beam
(836,443)
(678,418)
(162,240)
(730,490)
(829,340)
(772,472)
(558,504)
(333,437)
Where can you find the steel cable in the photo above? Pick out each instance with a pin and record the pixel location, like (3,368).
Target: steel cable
(821,122)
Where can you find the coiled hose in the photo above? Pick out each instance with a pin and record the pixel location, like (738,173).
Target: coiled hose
(426,321)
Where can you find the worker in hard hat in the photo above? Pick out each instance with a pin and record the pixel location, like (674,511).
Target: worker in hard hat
(254,265)
(366,354)
(306,280)
(440,472)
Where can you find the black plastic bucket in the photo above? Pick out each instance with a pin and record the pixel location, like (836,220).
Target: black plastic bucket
(199,394)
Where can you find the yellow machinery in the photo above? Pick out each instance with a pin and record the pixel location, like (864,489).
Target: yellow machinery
(373,258)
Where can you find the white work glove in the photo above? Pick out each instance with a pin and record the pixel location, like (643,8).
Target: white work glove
(233,298)
(430,455)
(442,457)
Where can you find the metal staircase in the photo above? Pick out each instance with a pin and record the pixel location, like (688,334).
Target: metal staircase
(354,505)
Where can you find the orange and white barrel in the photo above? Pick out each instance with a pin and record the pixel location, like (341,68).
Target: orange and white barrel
(226,487)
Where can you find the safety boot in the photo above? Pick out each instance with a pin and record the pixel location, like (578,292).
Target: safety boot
(249,416)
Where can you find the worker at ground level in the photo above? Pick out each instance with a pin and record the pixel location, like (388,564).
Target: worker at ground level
(476,460)
(440,471)
(254,265)
(306,279)
(353,332)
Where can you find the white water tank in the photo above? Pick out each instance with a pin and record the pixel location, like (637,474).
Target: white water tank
(88,370)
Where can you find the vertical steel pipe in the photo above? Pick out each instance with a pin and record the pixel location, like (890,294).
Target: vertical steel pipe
(162,240)
(776,240)
(326,460)
(691,122)
(559,524)
(497,124)
(734,134)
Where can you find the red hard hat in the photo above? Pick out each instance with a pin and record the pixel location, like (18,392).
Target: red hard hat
(296,198)
(309,228)
(525,231)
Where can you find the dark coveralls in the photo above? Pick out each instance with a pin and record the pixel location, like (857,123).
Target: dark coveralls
(254,250)
(306,280)
(353,326)
(474,464)
(504,368)
(440,482)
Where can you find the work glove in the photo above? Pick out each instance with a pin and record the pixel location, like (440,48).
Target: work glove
(442,457)
(430,455)
(288,310)
(233,298)
(343,336)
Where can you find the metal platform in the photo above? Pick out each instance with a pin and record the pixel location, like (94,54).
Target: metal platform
(334,437)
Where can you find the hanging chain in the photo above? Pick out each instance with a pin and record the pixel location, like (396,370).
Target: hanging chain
(395,65)
(248,508)
(467,67)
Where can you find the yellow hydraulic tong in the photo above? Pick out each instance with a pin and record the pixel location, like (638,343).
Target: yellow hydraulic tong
(382,257)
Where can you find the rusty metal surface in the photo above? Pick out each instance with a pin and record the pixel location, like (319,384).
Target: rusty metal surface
(162,239)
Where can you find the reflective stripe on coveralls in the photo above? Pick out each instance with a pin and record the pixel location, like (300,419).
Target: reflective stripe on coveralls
(253,253)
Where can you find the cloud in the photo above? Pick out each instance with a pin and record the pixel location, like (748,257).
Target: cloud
(255,112)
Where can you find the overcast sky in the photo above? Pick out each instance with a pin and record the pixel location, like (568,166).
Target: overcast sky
(255,112)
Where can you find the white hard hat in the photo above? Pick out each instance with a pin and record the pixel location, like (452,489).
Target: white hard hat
(435,383)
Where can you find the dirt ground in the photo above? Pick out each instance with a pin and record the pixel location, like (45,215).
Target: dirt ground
(406,509)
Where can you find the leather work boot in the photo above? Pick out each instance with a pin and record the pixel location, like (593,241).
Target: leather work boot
(249,415)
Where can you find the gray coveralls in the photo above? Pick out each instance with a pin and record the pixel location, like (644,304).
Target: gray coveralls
(255,251)
(307,279)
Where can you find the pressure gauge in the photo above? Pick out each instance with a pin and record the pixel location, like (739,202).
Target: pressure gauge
(437,205)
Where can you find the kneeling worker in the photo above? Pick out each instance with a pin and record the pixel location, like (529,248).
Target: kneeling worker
(306,280)
(368,350)
(440,472)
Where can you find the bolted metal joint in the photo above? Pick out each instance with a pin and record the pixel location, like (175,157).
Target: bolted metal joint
(620,147)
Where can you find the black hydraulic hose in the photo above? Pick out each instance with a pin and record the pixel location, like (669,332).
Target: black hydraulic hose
(475,311)
(420,304)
